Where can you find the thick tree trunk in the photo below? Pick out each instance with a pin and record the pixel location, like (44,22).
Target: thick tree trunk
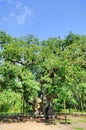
(47,110)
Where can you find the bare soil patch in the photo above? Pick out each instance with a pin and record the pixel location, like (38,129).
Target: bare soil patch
(42,124)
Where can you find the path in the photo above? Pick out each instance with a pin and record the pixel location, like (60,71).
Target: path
(42,125)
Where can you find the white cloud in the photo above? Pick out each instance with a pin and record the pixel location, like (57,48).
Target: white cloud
(19,14)
(22,17)
(24,13)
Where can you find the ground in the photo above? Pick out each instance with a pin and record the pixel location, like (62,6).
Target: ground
(74,123)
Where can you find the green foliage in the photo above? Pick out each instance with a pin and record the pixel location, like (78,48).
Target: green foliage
(58,105)
(9,100)
(56,67)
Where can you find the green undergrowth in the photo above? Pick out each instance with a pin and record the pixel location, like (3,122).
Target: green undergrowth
(78,128)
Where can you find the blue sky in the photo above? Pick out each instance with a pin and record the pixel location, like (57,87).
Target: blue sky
(43,18)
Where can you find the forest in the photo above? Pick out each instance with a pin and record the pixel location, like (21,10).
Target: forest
(52,70)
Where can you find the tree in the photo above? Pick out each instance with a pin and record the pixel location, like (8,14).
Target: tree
(53,70)
(16,73)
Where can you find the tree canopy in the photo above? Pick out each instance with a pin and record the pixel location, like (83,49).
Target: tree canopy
(55,67)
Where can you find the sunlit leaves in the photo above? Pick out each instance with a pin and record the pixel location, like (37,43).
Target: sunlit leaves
(55,66)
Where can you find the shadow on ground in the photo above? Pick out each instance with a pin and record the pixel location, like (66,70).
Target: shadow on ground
(23,119)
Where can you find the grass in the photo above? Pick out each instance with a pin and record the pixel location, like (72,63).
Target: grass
(72,111)
(78,128)
(5,114)
(62,121)
(82,120)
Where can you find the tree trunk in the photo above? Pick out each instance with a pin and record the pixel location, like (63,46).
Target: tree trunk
(81,104)
(46,111)
(23,105)
(65,111)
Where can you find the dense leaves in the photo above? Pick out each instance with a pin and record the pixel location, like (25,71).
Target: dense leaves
(55,67)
